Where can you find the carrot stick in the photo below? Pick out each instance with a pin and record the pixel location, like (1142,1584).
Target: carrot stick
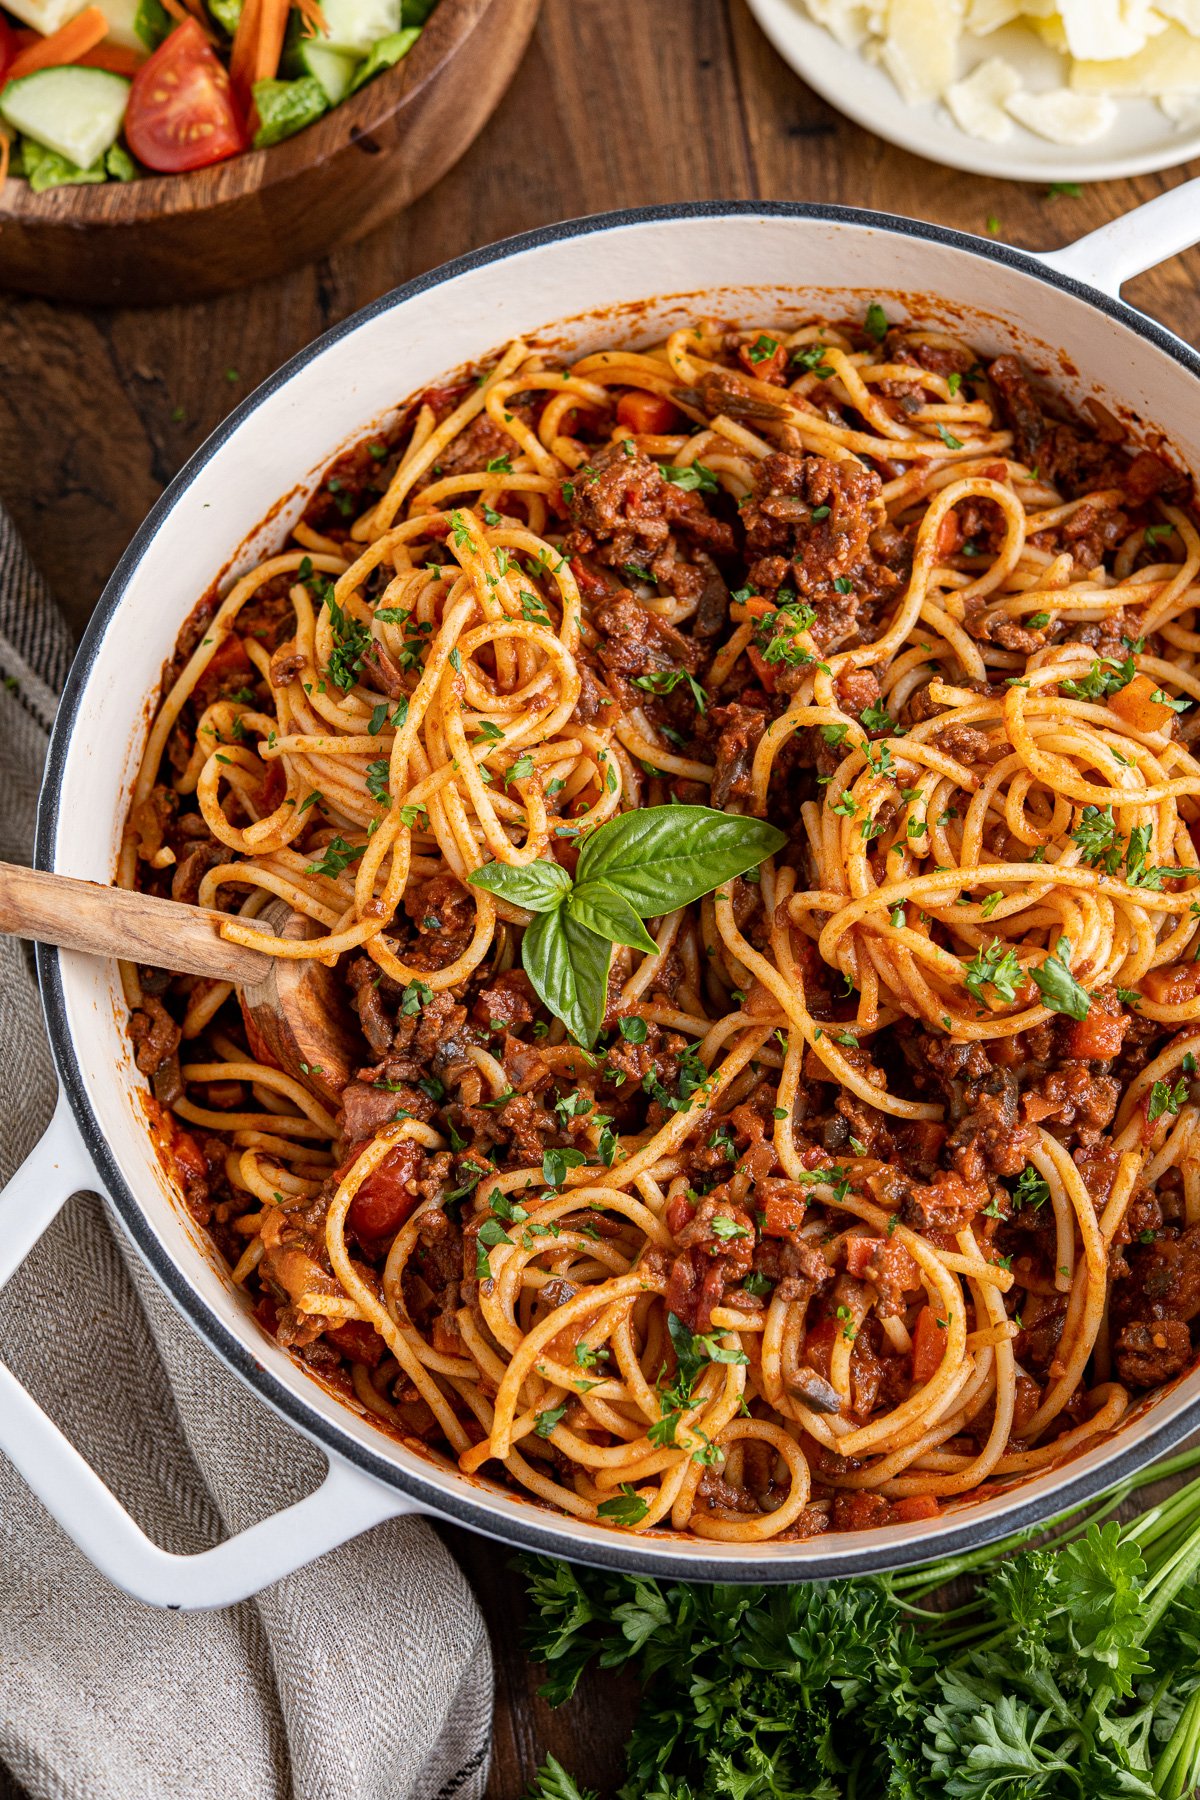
(257,47)
(116,58)
(242,52)
(66,45)
(314,19)
(273,18)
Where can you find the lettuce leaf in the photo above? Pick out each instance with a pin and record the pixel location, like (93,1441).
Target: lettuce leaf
(385,53)
(47,169)
(285,107)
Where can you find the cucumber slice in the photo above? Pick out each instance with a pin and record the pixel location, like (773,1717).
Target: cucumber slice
(354,25)
(334,69)
(74,111)
(121,16)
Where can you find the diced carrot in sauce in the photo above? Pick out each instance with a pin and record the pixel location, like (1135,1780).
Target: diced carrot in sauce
(762,667)
(645,414)
(914,1507)
(929,1345)
(1134,703)
(783,1213)
(1098,1037)
(860,1254)
(1172,985)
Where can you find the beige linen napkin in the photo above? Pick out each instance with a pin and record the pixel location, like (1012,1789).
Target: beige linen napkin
(366,1676)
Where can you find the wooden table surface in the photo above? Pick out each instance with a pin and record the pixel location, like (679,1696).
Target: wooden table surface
(618,103)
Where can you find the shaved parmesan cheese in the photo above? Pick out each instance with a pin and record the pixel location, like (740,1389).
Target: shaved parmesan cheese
(978,102)
(1107,49)
(1064,117)
(1182,110)
(1051,31)
(920,52)
(1170,64)
(1184,12)
(845,20)
(989,15)
(1103,30)
(45,15)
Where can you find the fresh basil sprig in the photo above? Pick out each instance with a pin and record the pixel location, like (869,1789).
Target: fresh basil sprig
(637,866)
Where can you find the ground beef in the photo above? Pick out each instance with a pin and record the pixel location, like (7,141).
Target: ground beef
(347,490)
(286,664)
(155,1035)
(808,527)
(190,872)
(627,516)
(740,729)
(1163,1280)
(1146,1354)
(362,978)
(478,444)
(636,642)
(1062,453)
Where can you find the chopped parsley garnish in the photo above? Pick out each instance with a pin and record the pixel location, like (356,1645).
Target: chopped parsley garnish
(1105,677)
(1058,987)
(1031,1189)
(1165,1099)
(335,858)
(995,966)
(350,643)
(625,1508)
(665,681)
(691,477)
(377,779)
(763,348)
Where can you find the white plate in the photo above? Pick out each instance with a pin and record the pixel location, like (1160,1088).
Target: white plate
(1141,140)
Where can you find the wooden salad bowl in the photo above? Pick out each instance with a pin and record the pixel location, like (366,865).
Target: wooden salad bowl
(169,237)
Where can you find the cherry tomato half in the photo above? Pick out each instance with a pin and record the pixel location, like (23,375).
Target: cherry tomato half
(181,112)
(8,46)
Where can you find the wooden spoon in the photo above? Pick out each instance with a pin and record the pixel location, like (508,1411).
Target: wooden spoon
(295,1011)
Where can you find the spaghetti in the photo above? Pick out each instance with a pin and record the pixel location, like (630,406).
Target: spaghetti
(884,1179)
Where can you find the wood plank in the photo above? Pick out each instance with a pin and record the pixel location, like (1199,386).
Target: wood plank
(618,103)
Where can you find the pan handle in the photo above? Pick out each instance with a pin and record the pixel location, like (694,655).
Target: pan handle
(1108,258)
(347,1502)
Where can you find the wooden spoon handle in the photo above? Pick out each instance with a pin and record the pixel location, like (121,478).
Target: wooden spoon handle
(111,921)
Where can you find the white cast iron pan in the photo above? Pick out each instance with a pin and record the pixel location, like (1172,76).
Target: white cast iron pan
(754,263)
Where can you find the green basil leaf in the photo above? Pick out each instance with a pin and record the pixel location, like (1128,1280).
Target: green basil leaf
(568,966)
(605,911)
(540,886)
(665,856)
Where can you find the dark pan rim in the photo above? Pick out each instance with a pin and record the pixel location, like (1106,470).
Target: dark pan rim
(466,1508)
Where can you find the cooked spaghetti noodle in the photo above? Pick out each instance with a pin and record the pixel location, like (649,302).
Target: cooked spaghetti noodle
(884,1179)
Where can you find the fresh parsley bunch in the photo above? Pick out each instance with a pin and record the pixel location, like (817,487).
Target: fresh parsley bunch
(1071,1673)
(637,866)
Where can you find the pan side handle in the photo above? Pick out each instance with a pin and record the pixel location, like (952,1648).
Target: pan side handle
(1137,241)
(347,1502)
